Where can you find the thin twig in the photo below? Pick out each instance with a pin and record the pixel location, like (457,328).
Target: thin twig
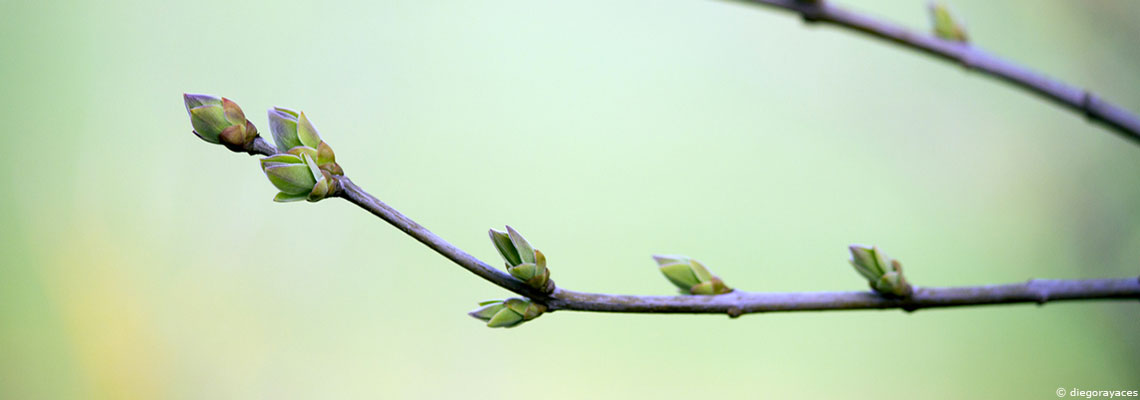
(355,195)
(739,302)
(262,147)
(972,58)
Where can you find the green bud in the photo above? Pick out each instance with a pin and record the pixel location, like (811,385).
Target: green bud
(209,122)
(505,318)
(526,252)
(292,130)
(690,275)
(681,274)
(298,178)
(292,178)
(945,25)
(523,261)
(866,262)
(506,249)
(488,310)
(219,121)
(306,132)
(507,313)
(283,124)
(883,274)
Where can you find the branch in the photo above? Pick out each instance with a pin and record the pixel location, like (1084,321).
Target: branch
(972,58)
(260,147)
(738,302)
(355,195)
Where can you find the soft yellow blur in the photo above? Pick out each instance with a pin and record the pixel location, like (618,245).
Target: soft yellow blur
(138,262)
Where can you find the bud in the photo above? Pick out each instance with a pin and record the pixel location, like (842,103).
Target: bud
(945,25)
(690,275)
(292,129)
(507,313)
(883,274)
(219,121)
(297,177)
(523,261)
(327,160)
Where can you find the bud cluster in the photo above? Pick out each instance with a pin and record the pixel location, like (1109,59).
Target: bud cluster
(523,261)
(306,167)
(294,133)
(219,121)
(298,177)
(507,313)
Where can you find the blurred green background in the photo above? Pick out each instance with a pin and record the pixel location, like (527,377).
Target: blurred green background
(138,262)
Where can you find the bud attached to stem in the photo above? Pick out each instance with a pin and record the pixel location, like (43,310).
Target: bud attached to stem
(884,274)
(690,275)
(507,313)
(294,133)
(524,262)
(219,121)
(298,178)
(945,25)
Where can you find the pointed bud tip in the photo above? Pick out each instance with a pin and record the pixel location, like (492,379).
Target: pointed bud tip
(665,259)
(192,100)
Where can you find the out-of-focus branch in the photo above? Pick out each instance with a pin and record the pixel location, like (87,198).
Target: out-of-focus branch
(972,58)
